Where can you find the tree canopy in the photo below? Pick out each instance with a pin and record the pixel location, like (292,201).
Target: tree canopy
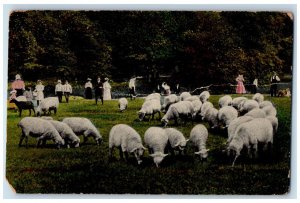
(194,48)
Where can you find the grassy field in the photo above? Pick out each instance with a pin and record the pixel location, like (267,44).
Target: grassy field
(87,169)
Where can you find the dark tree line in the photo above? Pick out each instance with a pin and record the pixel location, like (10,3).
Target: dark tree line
(195,48)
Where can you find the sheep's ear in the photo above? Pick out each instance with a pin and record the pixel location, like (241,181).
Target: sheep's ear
(207,150)
(164,155)
(197,153)
(144,148)
(187,140)
(133,150)
(152,155)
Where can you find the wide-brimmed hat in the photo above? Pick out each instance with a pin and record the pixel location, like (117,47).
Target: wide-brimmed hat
(13,91)
(59,81)
(18,77)
(89,79)
(39,81)
(106,78)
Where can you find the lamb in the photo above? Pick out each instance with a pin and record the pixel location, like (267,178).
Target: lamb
(265,103)
(274,122)
(83,126)
(184,95)
(40,128)
(150,107)
(204,96)
(182,109)
(211,116)
(236,101)
(258,130)
(269,110)
(156,140)
(22,105)
(48,104)
(168,100)
(123,103)
(66,133)
(226,115)
(258,97)
(127,140)
(204,107)
(225,101)
(256,113)
(198,137)
(247,105)
(235,124)
(153,96)
(176,140)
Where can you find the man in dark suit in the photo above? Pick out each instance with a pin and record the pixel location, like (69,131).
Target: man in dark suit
(99,90)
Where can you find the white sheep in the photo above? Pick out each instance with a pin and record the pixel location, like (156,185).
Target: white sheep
(204,96)
(265,103)
(197,104)
(176,139)
(256,113)
(48,104)
(204,107)
(150,107)
(127,140)
(225,101)
(227,114)
(274,122)
(198,138)
(258,97)
(153,96)
(123,103)
(211,116)
(235,124)
(258,130)
(40,128)
(182,109)
(156,140)
(248,105)
(270,110)
(236,101)
(83,126)
(66,133)
(168,100)
(184,95)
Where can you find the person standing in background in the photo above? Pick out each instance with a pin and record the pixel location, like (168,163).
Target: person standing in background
(177,88)
(18,85)
(28,94)
(99,90)
(40,91)
(273,88)
(67,91)
(132,87)
(255,85)
(88,89)
(240,89)
(59,90)
(107,90)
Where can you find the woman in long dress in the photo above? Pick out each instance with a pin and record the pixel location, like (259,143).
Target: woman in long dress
(40,91)
(88,89)
(107,88)
(240,89)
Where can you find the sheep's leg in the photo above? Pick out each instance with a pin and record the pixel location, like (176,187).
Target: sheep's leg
(121,153)
(33,111)
(159,115)
(126,155)
(38,142)
(55,109)
(110,153)
(255,150)
(21,139)
(20,112)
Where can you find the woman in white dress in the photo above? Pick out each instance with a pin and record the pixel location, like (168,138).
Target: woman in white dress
(107,88)
(40,91)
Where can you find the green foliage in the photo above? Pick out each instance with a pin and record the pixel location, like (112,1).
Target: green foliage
(87,169)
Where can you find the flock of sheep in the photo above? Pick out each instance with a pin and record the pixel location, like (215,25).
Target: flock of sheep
(247,121)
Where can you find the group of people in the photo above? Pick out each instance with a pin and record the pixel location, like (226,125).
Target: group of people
(61,90)
(102,90)
(240,89)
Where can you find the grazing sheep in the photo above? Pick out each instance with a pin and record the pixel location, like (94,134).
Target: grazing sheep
(226,115)
(153,96)
(197,104)
(156,140)
(265,103)
(48,104)
(168,100)
(258,97)
(256,113)
(198,137)
(66,133)
(258,130)
(150,107)
(236,101)
(204,107)
(248,105)
(123,103)
(211,116)
(269,110)
(127,140)
(184,95)
(83,126)
(274,122)
(204,96)
(182,109)
(23,105)
(40,128)
(225,101)
(176,139)
(235,124)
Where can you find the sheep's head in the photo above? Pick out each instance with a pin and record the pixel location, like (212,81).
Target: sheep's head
(181,145)
(164,122)
(141,115)
(158,158)
(138,153)
(98,140)
(202,153)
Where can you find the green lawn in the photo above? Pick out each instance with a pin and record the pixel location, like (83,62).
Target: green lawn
(87,169)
